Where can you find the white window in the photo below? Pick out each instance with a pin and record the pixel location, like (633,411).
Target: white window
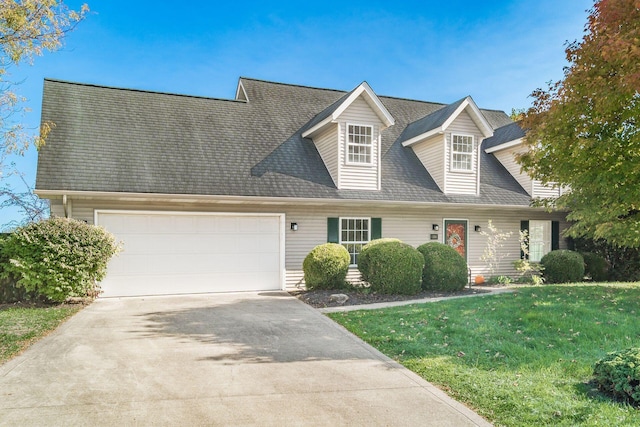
(539,239)
(354,234)
(359,144)
(462,153)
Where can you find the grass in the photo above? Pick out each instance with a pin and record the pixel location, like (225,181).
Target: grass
(22,326)
(519,359)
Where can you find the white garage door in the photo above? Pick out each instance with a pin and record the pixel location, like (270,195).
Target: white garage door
(178,253)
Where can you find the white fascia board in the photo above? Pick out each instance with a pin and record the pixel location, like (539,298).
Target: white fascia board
(263,200)
(423,136)
(307,133)
(476,115)
(241,93)
(380,110)
(504,146)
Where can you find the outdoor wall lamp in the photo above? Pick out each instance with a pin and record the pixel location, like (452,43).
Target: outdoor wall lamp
(294,226)
(477,228)
(435,227)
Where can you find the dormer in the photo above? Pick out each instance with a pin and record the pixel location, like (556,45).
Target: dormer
(508,142)
(447,142)
(347,135)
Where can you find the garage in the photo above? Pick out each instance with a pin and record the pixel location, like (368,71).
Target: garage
(181,253)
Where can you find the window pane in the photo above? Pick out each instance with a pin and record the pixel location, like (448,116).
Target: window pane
(354,234)
(359,141)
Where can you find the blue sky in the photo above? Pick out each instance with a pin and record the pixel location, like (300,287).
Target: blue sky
(497,51)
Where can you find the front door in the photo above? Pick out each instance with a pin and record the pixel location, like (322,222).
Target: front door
(455,235)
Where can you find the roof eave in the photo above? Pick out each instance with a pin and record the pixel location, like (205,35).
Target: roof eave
(266,200)
(505,145)
(423,136)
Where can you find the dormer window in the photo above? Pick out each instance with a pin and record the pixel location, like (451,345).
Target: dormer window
(462,153)
(359,144)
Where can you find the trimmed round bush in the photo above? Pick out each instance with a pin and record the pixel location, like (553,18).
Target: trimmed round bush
(444,268)
(618,374)
(595,266)
(363,256)
(58,258)
(562,266)
(393,267)
(326,266)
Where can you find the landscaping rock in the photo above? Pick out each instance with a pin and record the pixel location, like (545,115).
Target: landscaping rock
(339,298)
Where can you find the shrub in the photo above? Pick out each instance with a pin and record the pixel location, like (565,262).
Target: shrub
(363,256)
(9,292)
(393,267)
(624,263)
(595,266)
(59,258)
(562,266)
(444,268)
(618,373)
(326,266)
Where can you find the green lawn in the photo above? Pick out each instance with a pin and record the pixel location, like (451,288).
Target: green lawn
(22,326)
(520,359)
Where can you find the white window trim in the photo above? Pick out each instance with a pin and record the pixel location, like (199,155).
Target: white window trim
(368,219)
(546,238)
(347,144)
(471,153)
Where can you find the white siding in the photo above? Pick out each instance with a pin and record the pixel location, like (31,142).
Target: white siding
(544,191)
(359,177)
(508,160)
(462,182)
(327,145)
(431,153)
(413,225)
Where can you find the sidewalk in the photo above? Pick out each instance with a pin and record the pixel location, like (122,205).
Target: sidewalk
(379,305)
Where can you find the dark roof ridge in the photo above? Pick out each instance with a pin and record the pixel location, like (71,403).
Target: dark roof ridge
(296,85)
(154,92)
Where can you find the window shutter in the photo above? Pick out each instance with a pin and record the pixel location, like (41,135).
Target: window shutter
(524,226)
(333,230)
(555,235)
(376,228)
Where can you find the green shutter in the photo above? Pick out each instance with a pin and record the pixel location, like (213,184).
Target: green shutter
(376,228)
(333,230)
(555,235)
(524,226)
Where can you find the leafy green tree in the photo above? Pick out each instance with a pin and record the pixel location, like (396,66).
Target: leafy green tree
(583,132)
(28,28)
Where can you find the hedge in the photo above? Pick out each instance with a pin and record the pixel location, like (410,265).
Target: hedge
(393,267)
(444,268)
(326,266)
(58,258)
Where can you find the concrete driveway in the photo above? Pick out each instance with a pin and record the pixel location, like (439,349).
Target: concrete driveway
(217,359)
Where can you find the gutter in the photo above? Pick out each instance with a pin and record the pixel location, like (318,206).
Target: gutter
(222,199)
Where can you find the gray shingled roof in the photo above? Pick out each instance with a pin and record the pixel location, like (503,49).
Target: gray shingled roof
(504,134)
(430,122)
(122,140)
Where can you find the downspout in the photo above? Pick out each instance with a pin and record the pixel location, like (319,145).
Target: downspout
(64,206)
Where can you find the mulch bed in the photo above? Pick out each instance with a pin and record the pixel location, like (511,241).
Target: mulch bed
(322,298)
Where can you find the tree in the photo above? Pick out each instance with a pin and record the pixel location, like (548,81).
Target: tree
(583,132)
(28,28)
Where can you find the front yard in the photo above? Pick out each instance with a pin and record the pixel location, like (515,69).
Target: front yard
(20,326)
(519,359)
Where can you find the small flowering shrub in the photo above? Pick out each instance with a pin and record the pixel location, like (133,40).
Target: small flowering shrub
(58,258)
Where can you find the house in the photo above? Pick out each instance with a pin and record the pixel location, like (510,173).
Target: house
(224,195)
